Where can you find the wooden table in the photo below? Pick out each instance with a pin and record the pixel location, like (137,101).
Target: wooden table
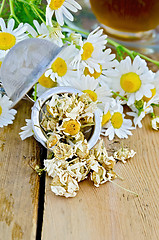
(29,210)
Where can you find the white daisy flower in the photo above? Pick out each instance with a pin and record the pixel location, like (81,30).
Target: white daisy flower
(44,84)
(6,114)
(27,131)
(117,124)
(105,114)
(60,9)
(9,37)
(155,90)
(53,33)
(133,80)
(90,86)
(139,114)
(108,62)
(90,51)
(61,69)
(155,123)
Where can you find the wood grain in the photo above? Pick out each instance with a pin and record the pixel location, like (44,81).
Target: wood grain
(19,184)
(109,212)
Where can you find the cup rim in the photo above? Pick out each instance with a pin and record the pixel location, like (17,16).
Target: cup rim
(38,134)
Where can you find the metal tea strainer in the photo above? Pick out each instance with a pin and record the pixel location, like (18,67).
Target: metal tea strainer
(24,65)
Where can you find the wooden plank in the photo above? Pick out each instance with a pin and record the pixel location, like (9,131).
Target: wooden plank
(109,212)
(19,184)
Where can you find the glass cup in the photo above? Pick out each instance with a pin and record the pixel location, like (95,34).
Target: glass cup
(131,21)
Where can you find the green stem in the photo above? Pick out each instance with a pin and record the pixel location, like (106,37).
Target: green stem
(2,6)
(120,177)
(152,115)
(12,11)
(35,92)
(119,53)
(154,105)
(146,58)
(37,13)
(76,30)
(119,96)
(124,188)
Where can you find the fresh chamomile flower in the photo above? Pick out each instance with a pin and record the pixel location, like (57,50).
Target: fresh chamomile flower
(141,108)
(61,68)
(117,124)
(9,37)
(53,33)
(27,131)
(6,114)
(133,80)
(44,84)
(155,123)
(139,111)
(90,52)
(90,86)
(105,114)
(108,62)
(155,90)
(60,9)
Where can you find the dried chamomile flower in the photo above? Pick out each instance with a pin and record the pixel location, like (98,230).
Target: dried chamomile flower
(86,120)
(44,123)
(71,127)
(53,166)
(75,111)
(79,137)
(85,98)
(99,177)
(53,111)
(51,125)
(102,157)
(64,185)
(78,169)
(92,163)
(111,175)
(83,151)
(63,151)
(109,165)
(123,154)
(52,140)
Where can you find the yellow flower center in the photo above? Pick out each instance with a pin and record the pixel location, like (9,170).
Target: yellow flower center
(130,82)
(153,94)
(106,117)
(0,63)
(7,40)
(56,4)
(46,82)
(91,94)
(59,66)
(72,127)
(95,74)
(52,140)
(87,51)
(0,110)
(117,120)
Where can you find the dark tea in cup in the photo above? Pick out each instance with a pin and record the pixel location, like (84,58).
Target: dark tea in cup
(127,15)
